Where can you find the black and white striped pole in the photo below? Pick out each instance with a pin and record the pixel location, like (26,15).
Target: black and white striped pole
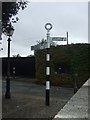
(48,27)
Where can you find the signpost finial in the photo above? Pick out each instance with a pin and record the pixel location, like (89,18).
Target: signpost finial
(48,26)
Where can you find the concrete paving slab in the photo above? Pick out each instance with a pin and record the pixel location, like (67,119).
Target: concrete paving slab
(77,106)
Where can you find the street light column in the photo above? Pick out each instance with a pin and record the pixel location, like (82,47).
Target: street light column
(7,94)
(8,31)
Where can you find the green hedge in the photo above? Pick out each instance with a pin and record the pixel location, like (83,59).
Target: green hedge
(74,56)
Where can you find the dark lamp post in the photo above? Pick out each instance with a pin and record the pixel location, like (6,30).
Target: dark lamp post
(8,32)
(75,83)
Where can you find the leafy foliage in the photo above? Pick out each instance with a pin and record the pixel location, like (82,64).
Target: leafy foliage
(18,55)
(10,9)
(74,59)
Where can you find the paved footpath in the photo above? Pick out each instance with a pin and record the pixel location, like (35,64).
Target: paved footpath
(77,106)
(28,100)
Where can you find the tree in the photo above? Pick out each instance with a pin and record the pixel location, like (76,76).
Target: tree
(10,9)
(43,41)
(30,56)
(18,55)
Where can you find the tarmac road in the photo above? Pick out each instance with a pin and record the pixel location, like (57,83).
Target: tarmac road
(28,100)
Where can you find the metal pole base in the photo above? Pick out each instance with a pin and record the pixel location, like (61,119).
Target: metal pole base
(75,90)
(47,98)
(7,95)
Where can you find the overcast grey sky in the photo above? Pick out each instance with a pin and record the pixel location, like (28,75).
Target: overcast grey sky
(65,17)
